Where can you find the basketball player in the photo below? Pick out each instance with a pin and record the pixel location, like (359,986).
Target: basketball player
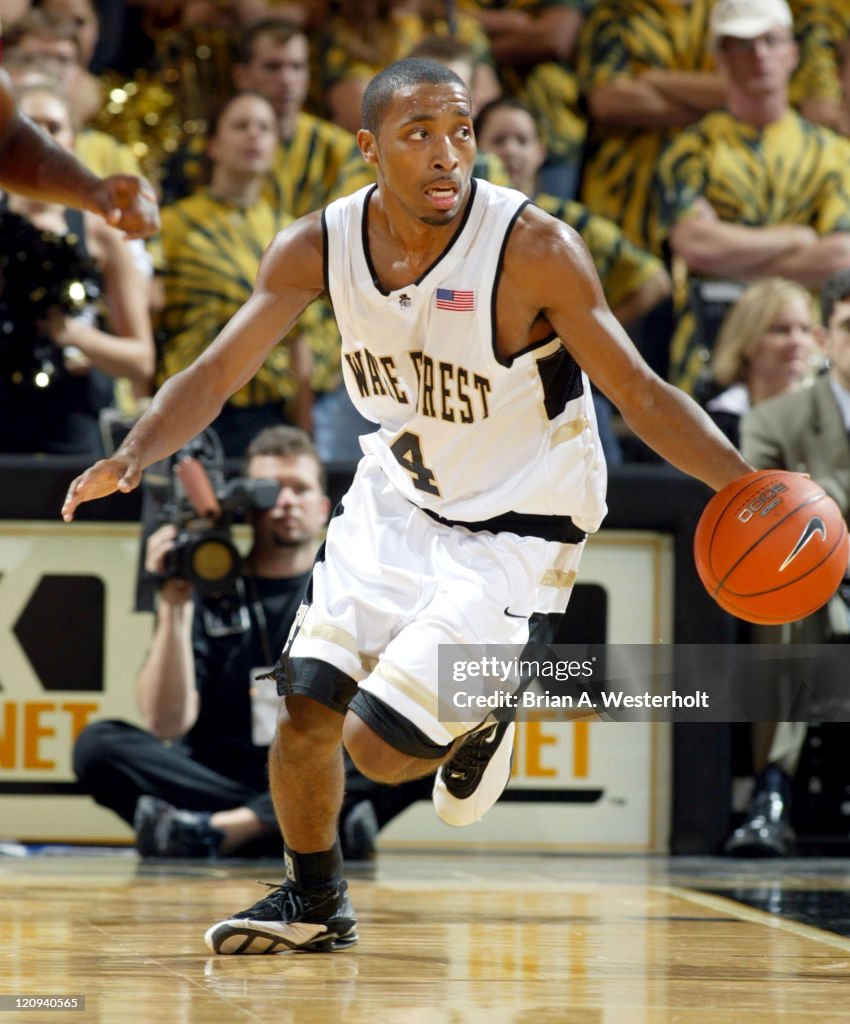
(469,319)
(32,164)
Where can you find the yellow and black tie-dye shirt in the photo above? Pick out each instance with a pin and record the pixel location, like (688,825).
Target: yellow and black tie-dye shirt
(550,88)
(338,53)
(311,168)
(211,252)
(623,38)
(401,36)
(821,29)
(789,172)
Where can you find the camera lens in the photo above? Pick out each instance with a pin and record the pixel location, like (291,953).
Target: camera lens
(213,560)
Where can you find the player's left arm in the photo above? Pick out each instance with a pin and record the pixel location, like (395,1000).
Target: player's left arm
(289,278)
(549,262)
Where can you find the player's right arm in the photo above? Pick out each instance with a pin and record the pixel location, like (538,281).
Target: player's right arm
(289,278)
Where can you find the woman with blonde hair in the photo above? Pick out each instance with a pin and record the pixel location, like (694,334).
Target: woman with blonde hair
(767,345)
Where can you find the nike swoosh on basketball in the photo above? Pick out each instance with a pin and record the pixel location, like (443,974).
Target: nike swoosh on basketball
(813,526)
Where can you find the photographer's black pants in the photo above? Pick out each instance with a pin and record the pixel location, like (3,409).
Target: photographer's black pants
(116,763)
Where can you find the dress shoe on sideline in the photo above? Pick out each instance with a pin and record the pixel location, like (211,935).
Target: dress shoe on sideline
(766,831)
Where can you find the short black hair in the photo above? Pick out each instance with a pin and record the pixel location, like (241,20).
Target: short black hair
(836,289)
(286,442)
(401,74)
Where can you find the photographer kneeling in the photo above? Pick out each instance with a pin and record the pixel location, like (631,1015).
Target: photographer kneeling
(195,784)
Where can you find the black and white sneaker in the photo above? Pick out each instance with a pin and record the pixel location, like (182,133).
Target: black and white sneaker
(289,918)
(470,782)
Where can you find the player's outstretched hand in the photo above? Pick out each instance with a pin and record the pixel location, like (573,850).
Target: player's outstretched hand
(129,204)
(105,477)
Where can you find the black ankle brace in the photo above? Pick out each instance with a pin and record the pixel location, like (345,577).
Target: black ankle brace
(313,870)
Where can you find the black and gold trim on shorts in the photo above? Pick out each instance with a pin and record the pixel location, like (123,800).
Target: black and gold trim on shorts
(556,528)
(395,729)
(314,678)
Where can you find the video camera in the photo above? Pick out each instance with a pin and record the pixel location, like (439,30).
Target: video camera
(203,505)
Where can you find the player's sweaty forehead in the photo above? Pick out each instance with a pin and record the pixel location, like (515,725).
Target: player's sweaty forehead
(427,102)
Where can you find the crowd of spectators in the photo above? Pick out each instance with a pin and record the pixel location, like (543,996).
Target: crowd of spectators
(704,139)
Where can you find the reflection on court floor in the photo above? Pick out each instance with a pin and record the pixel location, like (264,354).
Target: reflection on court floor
(454,938)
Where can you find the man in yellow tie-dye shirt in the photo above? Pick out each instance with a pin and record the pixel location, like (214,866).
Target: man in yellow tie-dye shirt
(754,190)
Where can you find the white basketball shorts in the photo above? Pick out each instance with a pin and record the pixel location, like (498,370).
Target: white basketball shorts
(393,585)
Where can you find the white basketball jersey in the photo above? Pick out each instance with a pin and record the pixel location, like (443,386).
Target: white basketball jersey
(462,433)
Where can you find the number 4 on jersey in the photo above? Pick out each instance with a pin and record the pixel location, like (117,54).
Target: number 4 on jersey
(408,452)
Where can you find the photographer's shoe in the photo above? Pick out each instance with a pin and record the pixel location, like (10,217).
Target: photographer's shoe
(358,832)
(165,831)
(319,921)
(468,784)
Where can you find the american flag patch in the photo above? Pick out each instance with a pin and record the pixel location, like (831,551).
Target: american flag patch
(451,298)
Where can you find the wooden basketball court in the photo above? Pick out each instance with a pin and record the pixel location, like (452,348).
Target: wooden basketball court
(443,938)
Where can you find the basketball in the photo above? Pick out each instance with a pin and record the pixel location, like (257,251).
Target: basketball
(771,547)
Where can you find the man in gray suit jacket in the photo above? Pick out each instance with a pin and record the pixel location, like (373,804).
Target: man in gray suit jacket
(805,431)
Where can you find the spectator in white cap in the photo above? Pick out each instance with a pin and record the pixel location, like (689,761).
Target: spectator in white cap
(754,190)
(747,19)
